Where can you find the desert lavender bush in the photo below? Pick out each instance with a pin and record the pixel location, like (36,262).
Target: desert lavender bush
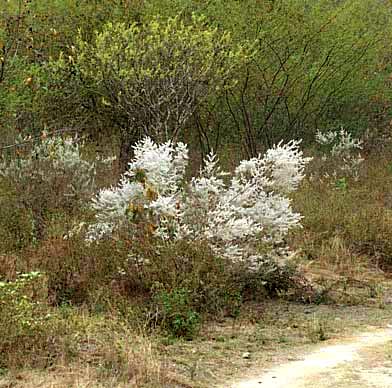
(231,214)
(343,151)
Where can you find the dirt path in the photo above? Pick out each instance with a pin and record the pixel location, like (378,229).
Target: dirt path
(364,361)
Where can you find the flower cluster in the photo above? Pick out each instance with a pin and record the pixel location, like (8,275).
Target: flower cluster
(341,142)
(232,214)
(151,182)
(344,149)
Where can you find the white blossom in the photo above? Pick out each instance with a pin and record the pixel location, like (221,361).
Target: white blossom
(285,165)
(326,138)
(344,149)
(231,216)
(163,165)
(166,206)
(48,161)
(112,204)
(98,231)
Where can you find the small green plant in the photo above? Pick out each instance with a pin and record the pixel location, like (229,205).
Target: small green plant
(341,184)
(175,313)
(17,302)
(389,168)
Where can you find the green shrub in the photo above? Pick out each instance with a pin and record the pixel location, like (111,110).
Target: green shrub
(24,315)
(173,311)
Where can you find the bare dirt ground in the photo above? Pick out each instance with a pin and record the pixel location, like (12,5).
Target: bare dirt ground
(363,361)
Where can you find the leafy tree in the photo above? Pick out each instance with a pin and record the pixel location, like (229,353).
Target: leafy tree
(316,63)
(153,77)
(31,34)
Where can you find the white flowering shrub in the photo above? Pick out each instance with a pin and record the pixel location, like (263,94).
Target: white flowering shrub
(48,160)
(232,214)
(49,174)
(343,150)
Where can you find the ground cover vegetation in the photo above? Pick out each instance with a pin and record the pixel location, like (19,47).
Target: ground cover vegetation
(170,167)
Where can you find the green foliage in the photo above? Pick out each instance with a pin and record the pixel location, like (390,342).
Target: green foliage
(310,69)
(17,307)
(33,32)
(17,99)
(173,311)
(38,30)
(24,316)
(341,184)
(153,77)
(314,64)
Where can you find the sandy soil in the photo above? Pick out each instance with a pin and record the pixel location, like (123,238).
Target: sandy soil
(363,361)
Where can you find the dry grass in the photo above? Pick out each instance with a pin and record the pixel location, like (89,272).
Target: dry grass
(91,351)
(345,248)
(108,351)
(73,376)
(271,332)
(347,230)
